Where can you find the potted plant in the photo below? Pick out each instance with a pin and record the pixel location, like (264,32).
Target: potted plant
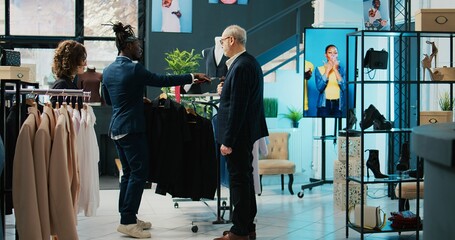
(445,101)
(271,107)
(446,115)
(294,115)
(181,62)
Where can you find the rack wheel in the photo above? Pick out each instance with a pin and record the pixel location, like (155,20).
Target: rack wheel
(194,229)
(300,194)
(310,188)
(176,205)
(223,203)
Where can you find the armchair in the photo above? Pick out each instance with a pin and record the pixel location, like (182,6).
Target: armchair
(277,161)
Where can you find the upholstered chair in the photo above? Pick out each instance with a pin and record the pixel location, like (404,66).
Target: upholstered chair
(277,160)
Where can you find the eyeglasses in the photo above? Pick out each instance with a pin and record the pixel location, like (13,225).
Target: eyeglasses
(222,40)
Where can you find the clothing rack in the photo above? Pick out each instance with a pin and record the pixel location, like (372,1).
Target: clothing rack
(220,206)
(21,90)
(52,92)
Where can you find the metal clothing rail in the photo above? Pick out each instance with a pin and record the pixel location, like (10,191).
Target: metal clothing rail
(220,206)
(52,92)
(21,92)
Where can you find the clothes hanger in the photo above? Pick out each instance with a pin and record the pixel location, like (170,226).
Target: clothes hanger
(163,96)
(191,111)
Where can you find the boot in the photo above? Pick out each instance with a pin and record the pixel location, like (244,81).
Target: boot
(373,164)
(403,163)
(351,119)
(413,173)
(380,123)
(369,115)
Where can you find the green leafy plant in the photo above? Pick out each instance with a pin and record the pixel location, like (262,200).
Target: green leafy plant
(445,101)
(271,107)
(294,115)
(182,62)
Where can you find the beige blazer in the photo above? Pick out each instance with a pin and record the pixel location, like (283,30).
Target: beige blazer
(63,180)
(41,153)
(24,185)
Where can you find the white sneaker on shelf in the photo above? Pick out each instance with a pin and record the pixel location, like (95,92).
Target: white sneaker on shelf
(143,224)
(133,230)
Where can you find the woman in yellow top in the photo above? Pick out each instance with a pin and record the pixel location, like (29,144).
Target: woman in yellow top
(331,85)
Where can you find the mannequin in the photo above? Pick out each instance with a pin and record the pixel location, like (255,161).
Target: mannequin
(91,80)
(215,61)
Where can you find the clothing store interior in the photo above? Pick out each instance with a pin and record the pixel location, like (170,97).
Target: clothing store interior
(358,103)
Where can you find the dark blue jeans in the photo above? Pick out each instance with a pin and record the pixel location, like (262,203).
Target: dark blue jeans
(241,187)
(132,151)
(331,109)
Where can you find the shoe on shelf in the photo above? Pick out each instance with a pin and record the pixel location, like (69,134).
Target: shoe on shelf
(232,236)
(143,224)
(133,230)
(251,235)
(403,163)
(373,164)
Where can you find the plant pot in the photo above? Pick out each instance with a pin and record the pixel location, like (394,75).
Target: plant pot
(431,117)
(295,124)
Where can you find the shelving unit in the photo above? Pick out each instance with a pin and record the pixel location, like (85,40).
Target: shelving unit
(407,77)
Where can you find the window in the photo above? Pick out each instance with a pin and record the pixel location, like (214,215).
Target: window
(42,18)
(98,12)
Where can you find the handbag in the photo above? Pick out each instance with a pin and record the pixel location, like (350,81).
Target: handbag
(10,58)
(405,220)
(374,218)
(375,59)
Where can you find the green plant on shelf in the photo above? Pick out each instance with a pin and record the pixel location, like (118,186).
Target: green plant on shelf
(294,115)
(445,101)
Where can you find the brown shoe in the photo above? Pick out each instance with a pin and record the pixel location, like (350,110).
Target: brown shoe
(251,235)
(231,236)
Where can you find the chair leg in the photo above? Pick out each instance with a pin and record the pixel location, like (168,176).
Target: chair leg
(291,181)
(260,184)
(282,182)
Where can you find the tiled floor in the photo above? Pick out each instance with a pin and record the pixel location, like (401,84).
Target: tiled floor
(280,216)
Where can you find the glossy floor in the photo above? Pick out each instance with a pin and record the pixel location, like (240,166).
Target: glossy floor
(280,216)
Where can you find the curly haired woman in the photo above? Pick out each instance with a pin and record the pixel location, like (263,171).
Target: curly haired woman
(70,58)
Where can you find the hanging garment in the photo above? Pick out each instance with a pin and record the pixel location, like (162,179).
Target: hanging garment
(41,154)
(259,149)
(24,186)
(166,133)
(198,179)
(63,179)
(88,158)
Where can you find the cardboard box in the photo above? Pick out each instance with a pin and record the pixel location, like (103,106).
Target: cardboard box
(431,117)
(19,73)
(435,20)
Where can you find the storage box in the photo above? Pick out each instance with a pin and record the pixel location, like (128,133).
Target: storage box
(19,73)
(431,117)
(435,20)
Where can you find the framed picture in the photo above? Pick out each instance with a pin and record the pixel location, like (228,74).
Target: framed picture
(376,15)
(238,2)
(325,87)
(172,16)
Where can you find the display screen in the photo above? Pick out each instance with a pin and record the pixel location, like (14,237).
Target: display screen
(325,87)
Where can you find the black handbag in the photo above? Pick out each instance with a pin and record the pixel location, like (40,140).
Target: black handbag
(10,58)
(375,59)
